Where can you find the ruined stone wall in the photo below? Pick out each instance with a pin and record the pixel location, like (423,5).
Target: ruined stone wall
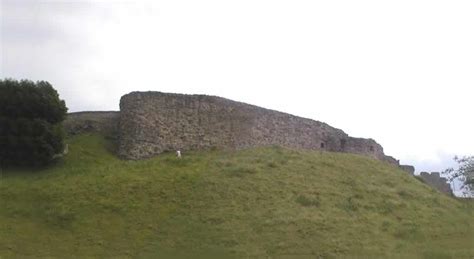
(104,122)
(408,168)
(436,181)
(154,122)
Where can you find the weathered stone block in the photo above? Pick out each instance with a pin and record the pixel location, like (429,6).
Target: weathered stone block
(436,181)
(408,168)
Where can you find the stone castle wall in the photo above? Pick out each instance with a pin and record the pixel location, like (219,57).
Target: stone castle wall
(104,122)
(155,122)
(408,168)
(436,181)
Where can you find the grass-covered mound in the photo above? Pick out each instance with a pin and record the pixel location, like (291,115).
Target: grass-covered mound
(257,202)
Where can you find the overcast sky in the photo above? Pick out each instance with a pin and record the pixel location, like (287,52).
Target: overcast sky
(401,72)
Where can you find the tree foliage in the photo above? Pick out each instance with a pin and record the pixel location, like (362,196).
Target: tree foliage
(30,122)
(464,173)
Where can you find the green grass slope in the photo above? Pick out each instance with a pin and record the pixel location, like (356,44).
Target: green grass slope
(263,202)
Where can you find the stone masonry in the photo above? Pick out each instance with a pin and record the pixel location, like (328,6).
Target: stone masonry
(105,122)
(436,181)
(408,168)
(155,122)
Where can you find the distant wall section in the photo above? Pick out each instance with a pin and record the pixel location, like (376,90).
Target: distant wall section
(104,122)
(436,181)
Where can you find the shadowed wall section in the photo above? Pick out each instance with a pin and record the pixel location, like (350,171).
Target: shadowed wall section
(436,181)
(155,122)
(104,122)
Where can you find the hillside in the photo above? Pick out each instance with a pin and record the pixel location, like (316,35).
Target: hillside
(257,202)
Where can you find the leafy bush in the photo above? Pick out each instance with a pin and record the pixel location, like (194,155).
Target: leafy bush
(31,113)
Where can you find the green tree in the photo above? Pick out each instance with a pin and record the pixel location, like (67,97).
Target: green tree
(31,116)
(464,173)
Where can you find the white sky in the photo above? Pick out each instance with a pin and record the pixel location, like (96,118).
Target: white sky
(401,72)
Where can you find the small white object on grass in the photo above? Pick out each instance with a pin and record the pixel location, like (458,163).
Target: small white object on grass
(178,153)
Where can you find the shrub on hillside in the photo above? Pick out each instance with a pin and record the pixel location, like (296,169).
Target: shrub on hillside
(31,113)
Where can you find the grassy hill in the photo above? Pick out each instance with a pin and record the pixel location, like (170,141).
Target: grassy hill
(262,202)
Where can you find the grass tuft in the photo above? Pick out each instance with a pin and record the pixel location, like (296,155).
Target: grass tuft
(308,202)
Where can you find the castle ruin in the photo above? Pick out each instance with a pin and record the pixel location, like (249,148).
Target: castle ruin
(150,123)
(155,122)
(436,181)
